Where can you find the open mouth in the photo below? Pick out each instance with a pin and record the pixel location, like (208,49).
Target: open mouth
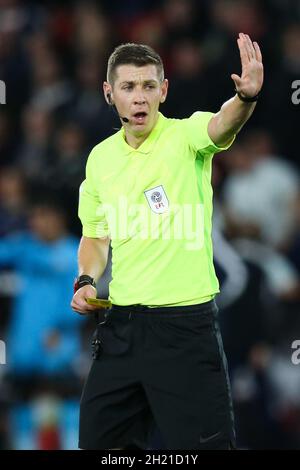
(140,117)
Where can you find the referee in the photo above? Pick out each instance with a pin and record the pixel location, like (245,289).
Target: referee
(158,354)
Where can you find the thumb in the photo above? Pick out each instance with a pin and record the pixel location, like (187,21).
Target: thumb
(237,80)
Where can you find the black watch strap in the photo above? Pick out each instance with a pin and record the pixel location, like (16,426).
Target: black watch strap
(247,99)
(84,280)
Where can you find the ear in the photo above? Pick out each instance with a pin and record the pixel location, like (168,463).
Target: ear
(107,93)
(164,90)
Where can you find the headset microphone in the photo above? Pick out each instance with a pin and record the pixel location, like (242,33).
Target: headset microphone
(123,118)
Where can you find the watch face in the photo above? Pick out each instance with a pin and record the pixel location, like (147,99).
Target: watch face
(83,280)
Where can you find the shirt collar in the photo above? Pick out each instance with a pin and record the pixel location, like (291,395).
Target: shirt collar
(148,143)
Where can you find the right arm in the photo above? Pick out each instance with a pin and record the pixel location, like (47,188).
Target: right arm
(92,260)
(94,244)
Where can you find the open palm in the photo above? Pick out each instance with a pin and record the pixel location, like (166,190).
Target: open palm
(252,77)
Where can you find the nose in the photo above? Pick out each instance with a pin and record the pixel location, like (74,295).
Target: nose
(139,97)
(139,101)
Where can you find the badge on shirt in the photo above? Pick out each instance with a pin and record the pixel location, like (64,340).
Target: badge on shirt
(157,199)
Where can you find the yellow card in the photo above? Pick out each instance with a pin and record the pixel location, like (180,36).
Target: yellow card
(101,303)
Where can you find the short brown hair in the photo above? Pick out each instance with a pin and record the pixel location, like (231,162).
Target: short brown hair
(135,54)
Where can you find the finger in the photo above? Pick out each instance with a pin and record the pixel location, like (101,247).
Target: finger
(250,47)
(78,310)
(82,305)
(243,52)
(246,45)
(257,52)
(237,80)
(80,298)
(82,311)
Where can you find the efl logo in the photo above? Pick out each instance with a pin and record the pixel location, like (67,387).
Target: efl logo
(296,354)
(296,94)
(2,92)
(2,352)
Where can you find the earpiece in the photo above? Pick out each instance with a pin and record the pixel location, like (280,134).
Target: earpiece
(110,102)
(108,97)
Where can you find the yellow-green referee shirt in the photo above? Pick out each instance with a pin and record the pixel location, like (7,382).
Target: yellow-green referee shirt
(155,203)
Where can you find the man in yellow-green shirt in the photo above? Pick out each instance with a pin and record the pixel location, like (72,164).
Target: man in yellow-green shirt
(158,357)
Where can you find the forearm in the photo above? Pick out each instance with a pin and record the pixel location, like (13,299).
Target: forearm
(233,114)
(92,256)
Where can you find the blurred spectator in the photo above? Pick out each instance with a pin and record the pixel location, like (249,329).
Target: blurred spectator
(228,18)
(260,191)
(231,271)
(69,158)
(47,422)
(183,19)
(252,393)
(234,16)
(52,91)
(146,28)
(282,279)
(17,18)
(186,90)
(286,400)
(66,171)
(90,108)
(92,30)
(7,142)
(281,114)
(293,251)
(34,152)
(43,333)
(13,201)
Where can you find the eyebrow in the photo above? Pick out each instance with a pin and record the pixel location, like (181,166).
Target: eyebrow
(145,82)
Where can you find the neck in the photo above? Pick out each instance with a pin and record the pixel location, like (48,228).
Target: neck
(136,141)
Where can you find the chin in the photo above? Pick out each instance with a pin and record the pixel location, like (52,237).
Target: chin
(140,129)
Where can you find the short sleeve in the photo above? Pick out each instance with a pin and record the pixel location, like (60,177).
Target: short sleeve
(197,134)
(90,210)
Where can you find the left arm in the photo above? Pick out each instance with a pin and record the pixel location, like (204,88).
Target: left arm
(235,112)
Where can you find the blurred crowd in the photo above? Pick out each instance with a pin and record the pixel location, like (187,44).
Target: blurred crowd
(53,59)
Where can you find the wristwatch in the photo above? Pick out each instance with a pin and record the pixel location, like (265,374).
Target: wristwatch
(247,99)
(83,280)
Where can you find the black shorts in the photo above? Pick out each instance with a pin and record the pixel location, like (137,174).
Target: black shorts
(161,367)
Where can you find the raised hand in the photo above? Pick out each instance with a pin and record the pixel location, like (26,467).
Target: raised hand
(252,77)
